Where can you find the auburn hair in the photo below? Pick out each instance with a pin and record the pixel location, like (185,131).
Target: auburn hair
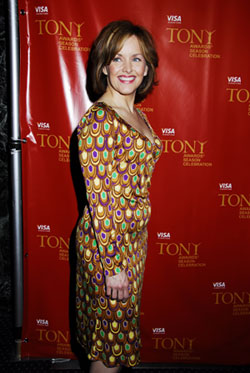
(108,43)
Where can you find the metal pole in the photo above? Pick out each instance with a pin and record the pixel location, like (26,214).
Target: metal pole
(16,173)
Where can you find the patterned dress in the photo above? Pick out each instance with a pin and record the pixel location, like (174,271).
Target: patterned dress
(117,164)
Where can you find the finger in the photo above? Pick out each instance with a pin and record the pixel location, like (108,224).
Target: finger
(120,294)
(114,294)
(126,293)
(108,291)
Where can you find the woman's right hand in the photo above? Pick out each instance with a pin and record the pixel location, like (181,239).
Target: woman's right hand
(117,287)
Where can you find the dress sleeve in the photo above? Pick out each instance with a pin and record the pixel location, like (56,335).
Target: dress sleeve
(97,135)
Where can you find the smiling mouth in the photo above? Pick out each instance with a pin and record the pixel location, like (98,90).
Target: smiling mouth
(126,79)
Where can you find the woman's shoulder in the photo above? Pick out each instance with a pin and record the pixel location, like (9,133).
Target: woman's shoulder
(98,110)
(99,114)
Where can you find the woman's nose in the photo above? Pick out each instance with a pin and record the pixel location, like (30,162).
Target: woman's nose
(127,67)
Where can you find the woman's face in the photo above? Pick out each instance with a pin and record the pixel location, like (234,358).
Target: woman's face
(128,68)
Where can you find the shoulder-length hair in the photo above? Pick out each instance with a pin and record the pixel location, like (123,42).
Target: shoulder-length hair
(108,43)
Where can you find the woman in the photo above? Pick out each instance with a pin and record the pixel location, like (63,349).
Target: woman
(117,150)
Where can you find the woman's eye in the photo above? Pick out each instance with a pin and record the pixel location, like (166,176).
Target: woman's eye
(116,59)
(137,59)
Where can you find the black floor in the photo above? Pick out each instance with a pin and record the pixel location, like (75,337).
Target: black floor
(9,363)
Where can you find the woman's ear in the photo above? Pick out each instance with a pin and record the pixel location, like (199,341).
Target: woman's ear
(105,70)
(146,70)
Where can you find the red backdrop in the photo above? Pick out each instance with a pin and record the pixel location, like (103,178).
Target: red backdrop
(196,297)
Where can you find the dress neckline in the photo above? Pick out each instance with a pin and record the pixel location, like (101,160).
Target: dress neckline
(128,124)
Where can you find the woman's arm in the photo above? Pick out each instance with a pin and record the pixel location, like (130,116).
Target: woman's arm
(97,133)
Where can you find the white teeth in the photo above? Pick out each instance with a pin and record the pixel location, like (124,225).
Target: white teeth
(128,79)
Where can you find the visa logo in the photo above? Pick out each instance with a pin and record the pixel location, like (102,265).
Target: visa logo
(174,19)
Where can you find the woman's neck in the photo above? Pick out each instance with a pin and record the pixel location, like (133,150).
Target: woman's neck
(118,101)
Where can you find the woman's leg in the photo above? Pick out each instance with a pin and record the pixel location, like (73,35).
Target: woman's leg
(99,367)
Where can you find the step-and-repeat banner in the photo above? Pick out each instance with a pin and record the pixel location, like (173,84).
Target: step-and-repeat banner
(196,296)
